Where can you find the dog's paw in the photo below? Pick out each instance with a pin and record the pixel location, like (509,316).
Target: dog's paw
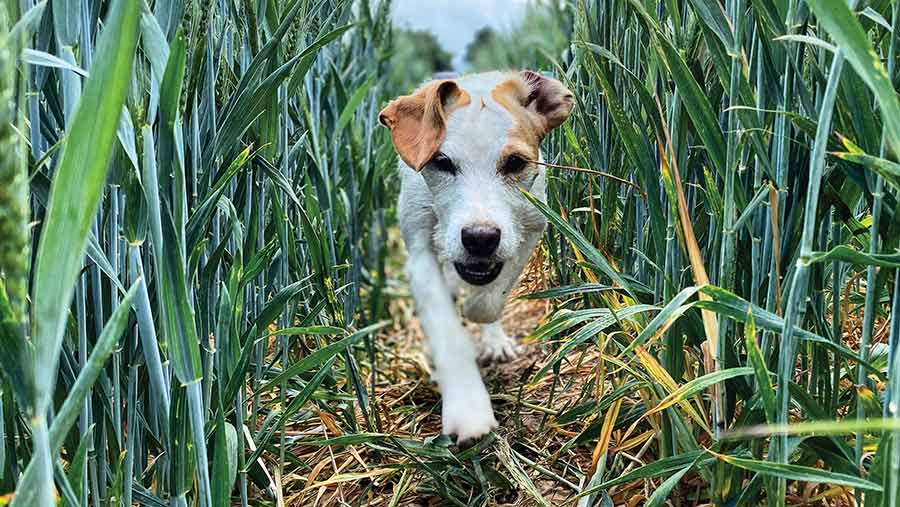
(496,346)
(467,413)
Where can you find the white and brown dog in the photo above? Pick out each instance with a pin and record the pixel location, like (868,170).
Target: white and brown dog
(467,147)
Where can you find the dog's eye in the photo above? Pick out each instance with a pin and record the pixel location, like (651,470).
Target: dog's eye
(514,164)
(443,163)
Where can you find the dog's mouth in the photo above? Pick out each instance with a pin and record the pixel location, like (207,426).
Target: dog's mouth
(481,272)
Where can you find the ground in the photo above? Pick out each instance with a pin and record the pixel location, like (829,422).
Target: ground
(541,454)
(394,471)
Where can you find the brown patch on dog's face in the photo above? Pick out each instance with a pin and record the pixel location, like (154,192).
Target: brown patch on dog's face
(527,131)
(418,122)
(538,105)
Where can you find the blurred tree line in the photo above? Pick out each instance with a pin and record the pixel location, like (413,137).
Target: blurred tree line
(416,56)
(541,38)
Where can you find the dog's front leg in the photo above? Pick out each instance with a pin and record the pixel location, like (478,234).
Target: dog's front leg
(496,345)
(466,405)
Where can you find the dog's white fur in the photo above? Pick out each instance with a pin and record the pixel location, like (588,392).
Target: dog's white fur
(434,206)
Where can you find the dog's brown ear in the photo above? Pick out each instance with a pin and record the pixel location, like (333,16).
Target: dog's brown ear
(418,122)
(541,103)
(548,98)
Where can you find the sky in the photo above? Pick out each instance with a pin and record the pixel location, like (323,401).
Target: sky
(455,22)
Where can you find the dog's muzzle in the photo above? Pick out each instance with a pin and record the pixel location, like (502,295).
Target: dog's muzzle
(480,241)
(478,272)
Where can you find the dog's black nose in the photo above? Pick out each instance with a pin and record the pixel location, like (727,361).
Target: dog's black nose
(481,240)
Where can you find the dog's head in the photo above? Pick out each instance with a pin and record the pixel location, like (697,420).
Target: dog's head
(475,141)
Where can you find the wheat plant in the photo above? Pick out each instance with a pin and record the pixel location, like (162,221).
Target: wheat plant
(762,134)
(195,173)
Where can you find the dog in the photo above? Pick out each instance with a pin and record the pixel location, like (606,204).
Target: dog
(468,147)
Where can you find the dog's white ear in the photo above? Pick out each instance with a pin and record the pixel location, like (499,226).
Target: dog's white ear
(418,122)
(548,98)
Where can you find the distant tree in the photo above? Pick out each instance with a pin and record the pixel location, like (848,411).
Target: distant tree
(542,36)
(484,38)
(416,56)
(426,47)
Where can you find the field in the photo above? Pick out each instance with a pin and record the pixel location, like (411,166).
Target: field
(202,296)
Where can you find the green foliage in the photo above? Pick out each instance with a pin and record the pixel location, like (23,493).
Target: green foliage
(725,101)
(228,169)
